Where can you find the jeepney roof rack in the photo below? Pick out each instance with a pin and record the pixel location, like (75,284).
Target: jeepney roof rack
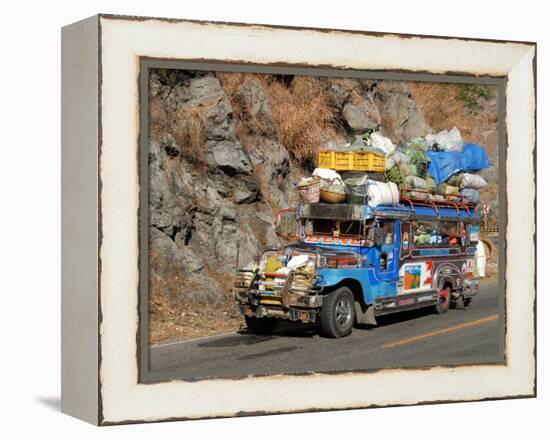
(405,209)
(447,202)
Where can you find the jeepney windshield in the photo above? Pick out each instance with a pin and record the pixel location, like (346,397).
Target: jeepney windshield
(334,228)
(274,259)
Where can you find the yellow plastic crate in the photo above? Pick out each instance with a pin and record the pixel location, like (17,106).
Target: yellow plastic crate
(367,161)
(351,161)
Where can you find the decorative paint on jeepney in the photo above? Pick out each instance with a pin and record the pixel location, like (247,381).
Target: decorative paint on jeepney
(416,277)
(467,267)
(450,270)
(372,286)
(329,240)
(433,252)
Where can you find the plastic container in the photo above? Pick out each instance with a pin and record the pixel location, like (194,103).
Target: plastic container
(357,190)
(368,161)
(351,161)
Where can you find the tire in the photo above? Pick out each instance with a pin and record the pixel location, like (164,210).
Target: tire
(467,302)
(444,301)
(261,326)
(338,313)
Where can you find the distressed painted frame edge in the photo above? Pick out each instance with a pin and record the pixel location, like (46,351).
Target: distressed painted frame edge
(80,220)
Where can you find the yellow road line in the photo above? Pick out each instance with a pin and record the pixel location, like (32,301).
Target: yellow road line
(440,332)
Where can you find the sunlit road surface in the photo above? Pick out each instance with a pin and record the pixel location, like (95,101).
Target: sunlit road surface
(418,338)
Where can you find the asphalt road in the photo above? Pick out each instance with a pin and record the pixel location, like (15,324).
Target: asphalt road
(409,339)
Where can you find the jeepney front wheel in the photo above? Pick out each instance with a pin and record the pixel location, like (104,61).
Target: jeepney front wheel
(261,326)
(443,301)
(338,313)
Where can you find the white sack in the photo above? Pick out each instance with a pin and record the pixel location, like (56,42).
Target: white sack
(446,140)
(382,193)
(474,181)
(376,140)
(297,261)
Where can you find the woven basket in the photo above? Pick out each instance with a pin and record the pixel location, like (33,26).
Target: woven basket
(332,197)
(310,193)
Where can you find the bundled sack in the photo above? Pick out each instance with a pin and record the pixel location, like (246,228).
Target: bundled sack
(474,181)
(446,190)
(304,279)
(454,180)
(418,195)
(328,177)
(382,193)
(415,155)
(446,140)
(418,143)
(406,168)
(395,175)
(415,182)
(376,140)
(396,158)
(430,184)
(470,196)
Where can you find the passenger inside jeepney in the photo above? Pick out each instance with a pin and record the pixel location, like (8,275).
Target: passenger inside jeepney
(431,233)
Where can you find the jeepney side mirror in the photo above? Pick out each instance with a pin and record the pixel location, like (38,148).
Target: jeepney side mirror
(378,234)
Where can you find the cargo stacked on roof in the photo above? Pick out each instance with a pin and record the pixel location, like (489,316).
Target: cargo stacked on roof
(439,168)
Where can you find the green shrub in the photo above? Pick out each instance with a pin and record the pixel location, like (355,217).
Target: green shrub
(473,96)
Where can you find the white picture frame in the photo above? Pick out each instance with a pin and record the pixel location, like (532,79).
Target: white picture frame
(100,250)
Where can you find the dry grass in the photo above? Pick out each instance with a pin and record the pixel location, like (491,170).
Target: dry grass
(303,115)
(443,108)
(247,122)
(187,125)
(301,111)
(170,318)
(169,321)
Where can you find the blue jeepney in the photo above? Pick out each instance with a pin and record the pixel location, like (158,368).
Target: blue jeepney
(352,263)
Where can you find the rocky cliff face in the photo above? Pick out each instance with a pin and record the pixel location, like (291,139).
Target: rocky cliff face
(225,153)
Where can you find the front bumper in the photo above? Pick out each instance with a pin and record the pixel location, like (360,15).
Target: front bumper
(291,306)
(292,313)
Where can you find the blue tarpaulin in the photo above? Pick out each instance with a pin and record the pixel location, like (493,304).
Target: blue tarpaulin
(474,158)
(443,164)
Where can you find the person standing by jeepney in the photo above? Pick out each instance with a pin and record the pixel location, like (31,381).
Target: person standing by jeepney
(481,259)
